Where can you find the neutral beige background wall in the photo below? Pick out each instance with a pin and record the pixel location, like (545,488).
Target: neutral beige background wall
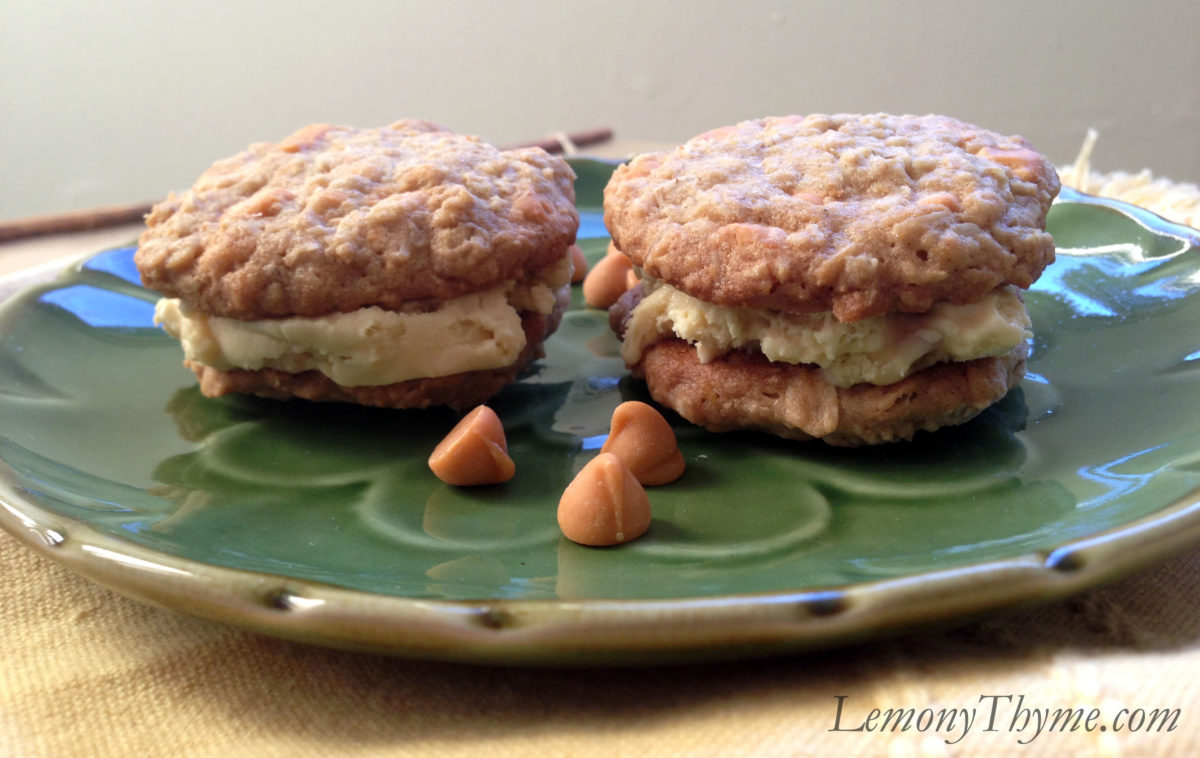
(123,100)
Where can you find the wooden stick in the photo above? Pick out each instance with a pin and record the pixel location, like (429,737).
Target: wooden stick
(100,218)
(556,144)
(75,221)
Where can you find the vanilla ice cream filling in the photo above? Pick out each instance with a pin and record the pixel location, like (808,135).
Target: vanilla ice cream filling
(879,350)
(373,346)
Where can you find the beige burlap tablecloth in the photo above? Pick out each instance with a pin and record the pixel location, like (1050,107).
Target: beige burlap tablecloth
(86,672)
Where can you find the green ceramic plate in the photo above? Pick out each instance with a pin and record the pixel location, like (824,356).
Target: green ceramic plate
(322,522)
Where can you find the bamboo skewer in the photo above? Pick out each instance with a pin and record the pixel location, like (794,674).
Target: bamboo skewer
(100,218)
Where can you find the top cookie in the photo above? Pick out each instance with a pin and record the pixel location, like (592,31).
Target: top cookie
(861,215)
(333,219)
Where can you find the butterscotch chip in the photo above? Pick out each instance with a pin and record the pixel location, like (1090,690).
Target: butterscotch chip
(604,504)
(474,452)
(607,281)
(860,215)
(645,443)
(631,280)
(579,265)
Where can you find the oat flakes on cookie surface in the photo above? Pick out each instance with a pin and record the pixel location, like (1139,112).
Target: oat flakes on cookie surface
(404,266)
(851,278)
(861,215)
(334,218)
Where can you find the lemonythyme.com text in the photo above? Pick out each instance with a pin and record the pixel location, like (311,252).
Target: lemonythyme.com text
(1001,713)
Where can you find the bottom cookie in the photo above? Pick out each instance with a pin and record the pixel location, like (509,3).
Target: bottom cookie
(742,390)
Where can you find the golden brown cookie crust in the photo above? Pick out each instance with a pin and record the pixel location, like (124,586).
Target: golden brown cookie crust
(333,219)
(861,215)
(743,390)
(458,391)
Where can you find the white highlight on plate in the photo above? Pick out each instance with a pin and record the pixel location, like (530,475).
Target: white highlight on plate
(133,562)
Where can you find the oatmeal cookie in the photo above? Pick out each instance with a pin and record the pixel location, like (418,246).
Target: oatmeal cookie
(334,219)
(405,266)
(860,215)
(851,278)
(743,390)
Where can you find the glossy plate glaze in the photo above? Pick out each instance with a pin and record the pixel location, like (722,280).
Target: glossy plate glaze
(322,522)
